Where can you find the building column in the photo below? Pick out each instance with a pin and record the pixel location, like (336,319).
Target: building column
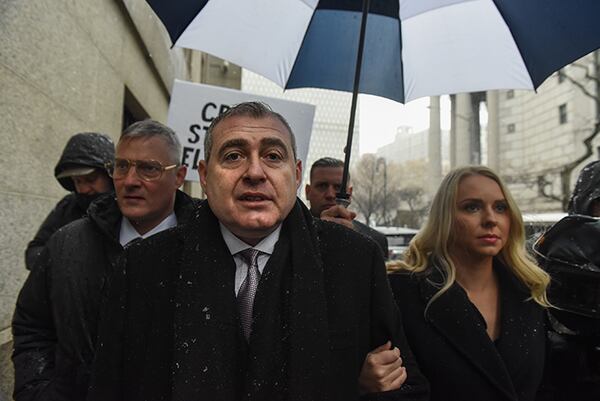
(452,144)
(434,144)
(463,116)
(493,131)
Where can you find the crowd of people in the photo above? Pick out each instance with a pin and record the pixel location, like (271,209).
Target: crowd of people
(137,291)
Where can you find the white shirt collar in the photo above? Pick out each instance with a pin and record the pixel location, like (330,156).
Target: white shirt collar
(128,233)
(236,245)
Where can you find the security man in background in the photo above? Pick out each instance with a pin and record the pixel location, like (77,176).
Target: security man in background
(80,170)
(325,182)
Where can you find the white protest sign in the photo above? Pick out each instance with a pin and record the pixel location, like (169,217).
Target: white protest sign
(193,107)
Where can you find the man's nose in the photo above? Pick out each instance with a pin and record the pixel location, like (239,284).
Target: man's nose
(331,193)
(131,178)
(255,170)
(85,188)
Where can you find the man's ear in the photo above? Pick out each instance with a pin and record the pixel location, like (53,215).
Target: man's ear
(298,173)
(202,171)
(307,189)
(180,175)
(349,191)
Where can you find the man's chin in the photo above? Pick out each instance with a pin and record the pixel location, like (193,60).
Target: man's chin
(134,213)
(254,230)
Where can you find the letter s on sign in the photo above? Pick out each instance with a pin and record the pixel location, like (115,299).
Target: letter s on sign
(196,131)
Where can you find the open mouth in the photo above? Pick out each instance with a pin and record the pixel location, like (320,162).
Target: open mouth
(253,198)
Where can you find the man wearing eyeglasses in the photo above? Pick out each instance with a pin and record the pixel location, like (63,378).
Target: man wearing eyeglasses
(56,318)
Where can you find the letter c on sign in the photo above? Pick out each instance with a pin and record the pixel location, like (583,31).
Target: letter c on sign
(205,109)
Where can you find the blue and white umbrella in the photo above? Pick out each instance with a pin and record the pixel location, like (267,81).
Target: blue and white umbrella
(413,48)
(409,49)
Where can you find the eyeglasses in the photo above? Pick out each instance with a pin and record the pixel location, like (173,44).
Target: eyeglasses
(147,170)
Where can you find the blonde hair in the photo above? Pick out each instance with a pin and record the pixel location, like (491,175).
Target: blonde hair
(429,249)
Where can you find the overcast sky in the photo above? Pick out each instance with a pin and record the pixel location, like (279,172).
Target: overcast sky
(379,119)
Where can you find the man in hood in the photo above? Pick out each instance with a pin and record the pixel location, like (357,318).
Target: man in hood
(585,198)
(80,170)
(569,252)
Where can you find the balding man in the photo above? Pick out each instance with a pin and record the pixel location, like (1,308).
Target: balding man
(253,299)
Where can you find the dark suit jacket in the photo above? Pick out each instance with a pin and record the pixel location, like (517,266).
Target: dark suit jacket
(453,349)
(173,332)
(375,235)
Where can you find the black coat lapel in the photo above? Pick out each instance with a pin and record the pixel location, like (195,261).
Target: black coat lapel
(521,325)
(207,339)
(458,320)
(309,326)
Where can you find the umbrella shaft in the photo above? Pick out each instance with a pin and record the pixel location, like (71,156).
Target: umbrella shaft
(361,44)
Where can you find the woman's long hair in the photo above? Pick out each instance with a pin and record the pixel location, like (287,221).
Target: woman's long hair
(429,249)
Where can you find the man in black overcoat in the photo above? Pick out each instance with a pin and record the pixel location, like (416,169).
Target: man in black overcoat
(80,171)
(56,319)
(199,319)
(325,182)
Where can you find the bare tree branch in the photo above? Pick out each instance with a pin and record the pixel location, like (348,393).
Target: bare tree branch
(581,86)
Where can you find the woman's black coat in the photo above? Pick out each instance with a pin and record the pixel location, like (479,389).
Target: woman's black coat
(453,349)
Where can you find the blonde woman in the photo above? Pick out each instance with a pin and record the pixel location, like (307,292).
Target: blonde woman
(472,300)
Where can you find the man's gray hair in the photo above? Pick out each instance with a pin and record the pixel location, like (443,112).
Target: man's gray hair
(327,162)
(248,109)
(150,128)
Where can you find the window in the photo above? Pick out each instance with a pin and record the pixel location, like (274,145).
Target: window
(562,113)
(511,128)
(510,94)
(132,110)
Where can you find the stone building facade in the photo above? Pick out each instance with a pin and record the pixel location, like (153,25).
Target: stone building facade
(69,66)
(529,135)
(539,133)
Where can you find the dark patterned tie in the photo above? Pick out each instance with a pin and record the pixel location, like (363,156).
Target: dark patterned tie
(245,297)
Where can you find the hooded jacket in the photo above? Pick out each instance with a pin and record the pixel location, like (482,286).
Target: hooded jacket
(586,189)
(58,310)
(84,149)
(89,149)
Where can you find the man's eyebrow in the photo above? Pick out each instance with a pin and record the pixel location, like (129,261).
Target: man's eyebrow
(274,142)
(232,143)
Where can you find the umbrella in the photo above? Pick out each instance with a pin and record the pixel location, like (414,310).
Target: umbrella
(398,49)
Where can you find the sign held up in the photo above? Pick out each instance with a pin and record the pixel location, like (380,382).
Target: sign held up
(194,106)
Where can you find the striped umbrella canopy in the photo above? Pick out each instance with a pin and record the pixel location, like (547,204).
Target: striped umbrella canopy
(398,49)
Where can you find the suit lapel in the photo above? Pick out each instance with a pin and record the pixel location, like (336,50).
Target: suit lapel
(459,322)
(309,324)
